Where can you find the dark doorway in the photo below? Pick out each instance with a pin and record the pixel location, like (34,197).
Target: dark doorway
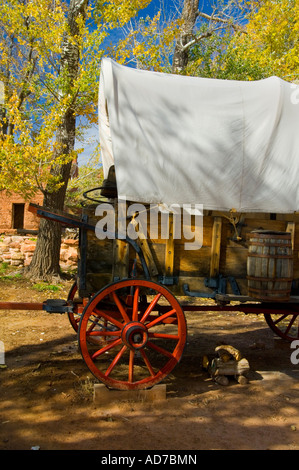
(18,215)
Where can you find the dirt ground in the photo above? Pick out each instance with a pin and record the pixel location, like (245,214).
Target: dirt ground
(47,391)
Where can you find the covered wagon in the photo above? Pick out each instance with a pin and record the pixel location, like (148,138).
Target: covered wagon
(200,200)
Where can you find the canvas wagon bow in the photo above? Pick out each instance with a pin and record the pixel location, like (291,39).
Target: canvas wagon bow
(187,156)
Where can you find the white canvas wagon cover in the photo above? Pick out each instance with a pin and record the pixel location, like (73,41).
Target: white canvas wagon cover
(224,144)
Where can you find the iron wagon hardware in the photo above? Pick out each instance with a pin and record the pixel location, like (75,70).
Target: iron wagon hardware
(219,284)
(168,280)
(237,222)
(57,306)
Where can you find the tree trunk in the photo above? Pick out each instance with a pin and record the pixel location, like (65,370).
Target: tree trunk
(45,262)
(181,54)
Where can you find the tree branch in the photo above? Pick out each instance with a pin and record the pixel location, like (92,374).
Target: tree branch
(196,40)
(217,19)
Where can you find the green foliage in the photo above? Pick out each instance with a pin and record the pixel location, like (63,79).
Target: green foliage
(7,274)
(11,277)
(205,58)
(270,45)
(89,177)
(3,267)
(43,287)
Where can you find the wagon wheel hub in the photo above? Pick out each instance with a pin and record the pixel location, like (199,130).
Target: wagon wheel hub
(135,335)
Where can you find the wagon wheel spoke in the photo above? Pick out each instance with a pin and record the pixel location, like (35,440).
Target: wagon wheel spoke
(136,354)
(286,325)
(160,350)
(109,318)
(160,319)
(115,361)
(120,307)
(135,304)
(104,333)
(290,324)
(150,308)
(131,366)
(105,349)
(92,324)
(164,336)
(278,320)
(147,363)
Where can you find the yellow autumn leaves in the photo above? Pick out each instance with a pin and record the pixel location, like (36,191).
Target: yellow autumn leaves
(271,45)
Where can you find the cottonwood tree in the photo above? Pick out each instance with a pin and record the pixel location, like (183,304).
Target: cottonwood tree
(46,256)
(241,41)
(181,36)
(271,45)
(50,67)
(228,39)
(197,26)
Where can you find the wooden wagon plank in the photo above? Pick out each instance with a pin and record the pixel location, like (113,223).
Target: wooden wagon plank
(148,256)
(216,247)
(169,248)
(291,229)
(120,268)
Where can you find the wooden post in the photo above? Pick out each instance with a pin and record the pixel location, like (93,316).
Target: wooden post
(291,230)
(148,256)
(169,248)
(120,268)
(215,247)
(120,255)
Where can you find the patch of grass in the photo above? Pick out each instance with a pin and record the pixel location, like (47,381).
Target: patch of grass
(84,388)
(3,267)
(11,277)
(42,287)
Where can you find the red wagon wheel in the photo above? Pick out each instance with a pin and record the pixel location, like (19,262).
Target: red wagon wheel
(74,316)
(285,325)
(132,334)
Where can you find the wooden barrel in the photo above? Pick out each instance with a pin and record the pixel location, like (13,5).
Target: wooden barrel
(270,265)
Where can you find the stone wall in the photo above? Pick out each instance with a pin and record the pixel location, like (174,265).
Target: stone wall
(18,251)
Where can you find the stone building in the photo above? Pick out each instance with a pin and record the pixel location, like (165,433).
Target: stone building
(19,229)
(14,215)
